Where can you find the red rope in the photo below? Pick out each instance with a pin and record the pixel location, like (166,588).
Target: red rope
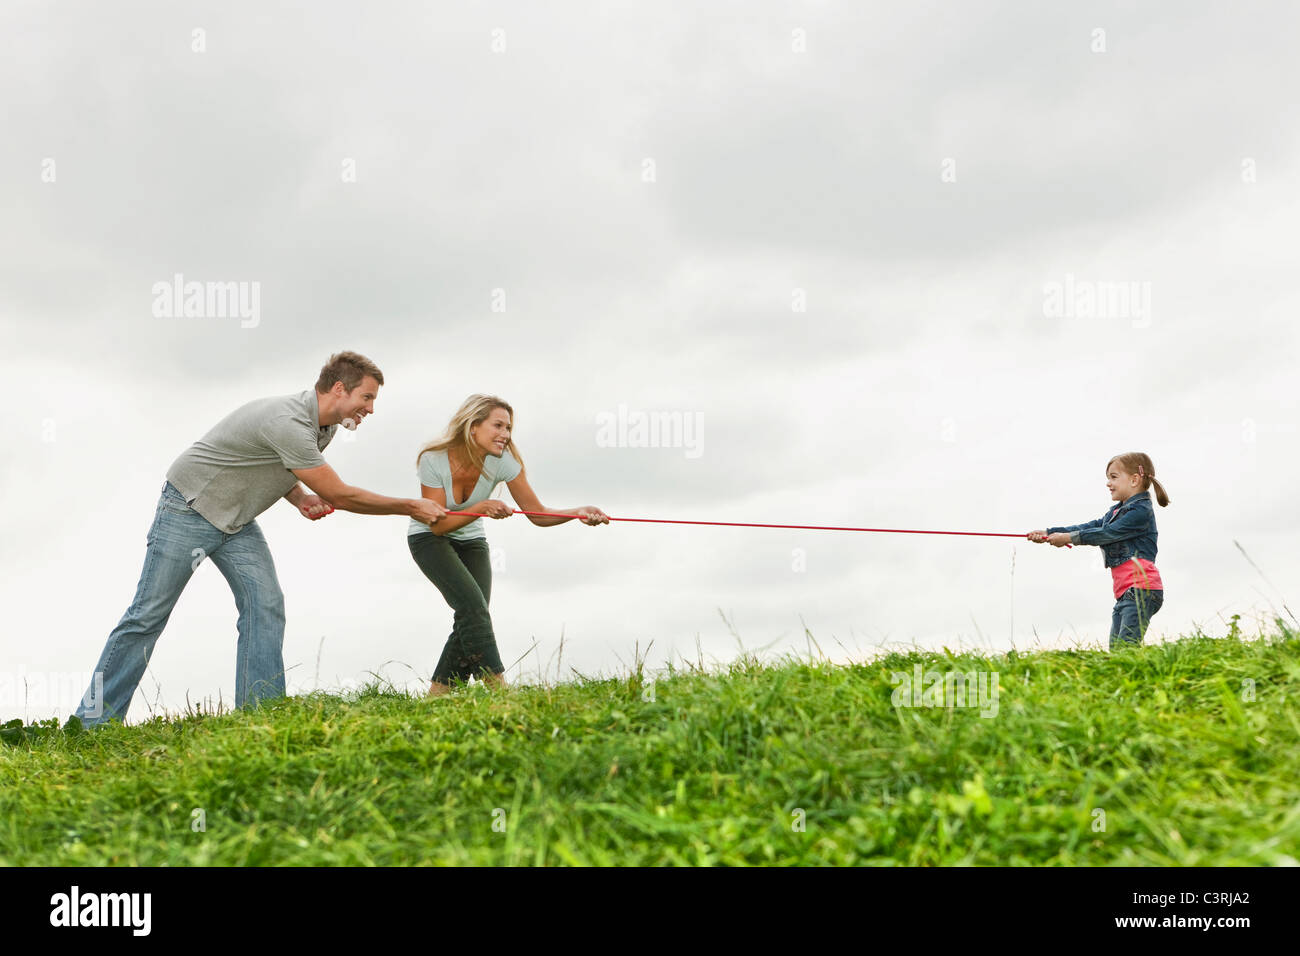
(745,524)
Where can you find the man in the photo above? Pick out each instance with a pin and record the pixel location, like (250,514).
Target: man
(214,491)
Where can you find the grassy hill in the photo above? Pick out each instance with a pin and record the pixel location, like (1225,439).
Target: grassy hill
(1183,753)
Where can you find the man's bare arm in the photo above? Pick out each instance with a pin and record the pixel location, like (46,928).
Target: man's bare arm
(326,483)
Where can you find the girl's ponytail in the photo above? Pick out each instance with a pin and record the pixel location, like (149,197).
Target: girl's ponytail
(1161,498)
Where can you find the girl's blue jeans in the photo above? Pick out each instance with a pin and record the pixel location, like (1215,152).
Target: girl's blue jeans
(178,541)
(1133,612)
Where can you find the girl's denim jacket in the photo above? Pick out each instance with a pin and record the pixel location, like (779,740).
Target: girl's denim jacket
(1126,531)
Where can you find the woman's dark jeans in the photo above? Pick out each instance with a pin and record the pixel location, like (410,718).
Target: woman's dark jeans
(462,571)
(1133,612)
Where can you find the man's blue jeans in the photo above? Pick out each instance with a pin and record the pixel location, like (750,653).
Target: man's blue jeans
(178,541)
(1133,612)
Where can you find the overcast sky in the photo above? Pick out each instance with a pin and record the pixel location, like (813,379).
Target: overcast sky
(900,265)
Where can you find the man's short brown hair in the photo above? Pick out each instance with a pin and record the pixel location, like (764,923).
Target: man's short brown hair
(349,368)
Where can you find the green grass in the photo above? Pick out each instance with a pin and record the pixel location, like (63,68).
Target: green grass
(713,770)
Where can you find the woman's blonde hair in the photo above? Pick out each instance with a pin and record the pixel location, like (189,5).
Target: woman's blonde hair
(1139,463)
(473,411)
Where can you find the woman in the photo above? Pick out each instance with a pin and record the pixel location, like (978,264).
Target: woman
(459,472)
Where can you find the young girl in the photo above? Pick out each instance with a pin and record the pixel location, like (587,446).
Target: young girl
(459,472)
(1127,536)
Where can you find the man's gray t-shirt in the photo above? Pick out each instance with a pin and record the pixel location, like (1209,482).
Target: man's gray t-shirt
(241,467)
